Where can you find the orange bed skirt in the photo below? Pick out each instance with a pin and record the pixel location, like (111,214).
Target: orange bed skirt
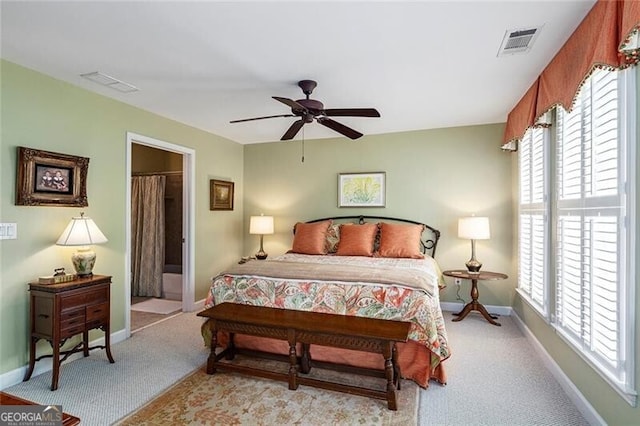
(414,359)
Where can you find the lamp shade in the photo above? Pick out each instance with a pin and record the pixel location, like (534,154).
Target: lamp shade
(81,231)
(474,228)
(261,225)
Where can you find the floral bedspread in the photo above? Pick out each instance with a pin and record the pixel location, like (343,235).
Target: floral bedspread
(372,300)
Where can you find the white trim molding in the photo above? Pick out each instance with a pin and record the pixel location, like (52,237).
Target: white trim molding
(188,224)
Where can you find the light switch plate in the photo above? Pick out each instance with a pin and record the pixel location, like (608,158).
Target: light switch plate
(8,231)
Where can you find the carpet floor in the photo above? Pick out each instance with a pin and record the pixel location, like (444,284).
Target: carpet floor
(234,399)
(495,378)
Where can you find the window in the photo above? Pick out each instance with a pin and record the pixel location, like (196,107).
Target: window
(575,263)
(532,271)
(591,261)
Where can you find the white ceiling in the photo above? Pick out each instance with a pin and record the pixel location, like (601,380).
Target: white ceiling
(422,64)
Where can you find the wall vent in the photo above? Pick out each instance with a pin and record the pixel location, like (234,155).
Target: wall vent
(518,41)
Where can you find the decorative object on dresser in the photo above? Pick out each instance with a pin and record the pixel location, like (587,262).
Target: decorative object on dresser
(474,228)
(294,326)
(361,189)
(474,305)
(261,225)
(59,276)
(61,311)
(220,195)
(51,179)
(82,232)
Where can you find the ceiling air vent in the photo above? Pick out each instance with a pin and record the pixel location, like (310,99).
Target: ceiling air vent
(113,83)
(518,41)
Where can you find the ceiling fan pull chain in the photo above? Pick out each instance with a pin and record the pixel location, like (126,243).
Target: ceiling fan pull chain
(303,144)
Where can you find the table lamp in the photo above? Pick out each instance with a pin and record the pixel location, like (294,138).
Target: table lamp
(261,225)
(82,231)
(474,228)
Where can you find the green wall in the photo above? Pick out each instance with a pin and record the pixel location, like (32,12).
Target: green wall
(432,176)
(604,399)
(43,113)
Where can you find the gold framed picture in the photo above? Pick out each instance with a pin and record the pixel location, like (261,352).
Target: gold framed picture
(221,195)
(51,179)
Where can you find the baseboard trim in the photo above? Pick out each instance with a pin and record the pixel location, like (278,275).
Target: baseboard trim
(493,309)
(574,394)
(199,305)
(15,376)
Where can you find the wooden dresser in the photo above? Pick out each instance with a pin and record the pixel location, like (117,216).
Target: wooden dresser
(61,311)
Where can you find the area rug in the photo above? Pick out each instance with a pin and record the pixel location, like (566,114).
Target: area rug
(234,399)
(158,306)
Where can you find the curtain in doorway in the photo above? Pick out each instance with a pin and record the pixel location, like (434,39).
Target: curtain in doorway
(147,232)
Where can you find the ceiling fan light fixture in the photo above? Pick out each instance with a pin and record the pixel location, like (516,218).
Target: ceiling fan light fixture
(309,109)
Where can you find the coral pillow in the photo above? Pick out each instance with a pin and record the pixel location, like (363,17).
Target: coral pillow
(310,238)
(400,240)
(357,240)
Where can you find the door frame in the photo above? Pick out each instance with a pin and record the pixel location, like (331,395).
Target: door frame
(188,221)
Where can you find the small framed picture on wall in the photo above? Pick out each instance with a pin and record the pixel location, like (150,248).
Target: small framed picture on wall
(361,189)
(221,195)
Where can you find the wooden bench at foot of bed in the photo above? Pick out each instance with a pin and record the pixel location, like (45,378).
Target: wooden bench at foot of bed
(309,328)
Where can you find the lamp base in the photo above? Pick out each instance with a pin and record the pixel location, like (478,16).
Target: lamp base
(83,261)
(473,266)
(261,255)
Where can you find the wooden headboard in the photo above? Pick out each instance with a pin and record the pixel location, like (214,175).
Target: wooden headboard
(428,242)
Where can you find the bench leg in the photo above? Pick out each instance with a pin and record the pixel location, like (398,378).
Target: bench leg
(396,367)
(305,359)
(293,360)
(231,348)
(211,361)
(389,373)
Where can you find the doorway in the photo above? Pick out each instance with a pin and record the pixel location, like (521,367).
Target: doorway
(159,259)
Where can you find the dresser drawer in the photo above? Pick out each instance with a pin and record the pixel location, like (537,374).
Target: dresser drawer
(84,298)
(71,330)
(72,318)
(97,312)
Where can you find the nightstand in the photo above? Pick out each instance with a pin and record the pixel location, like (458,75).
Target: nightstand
(61,311)
(474,305)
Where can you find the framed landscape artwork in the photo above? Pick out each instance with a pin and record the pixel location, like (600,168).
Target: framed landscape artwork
(51,179)
(221,195)
(361,189)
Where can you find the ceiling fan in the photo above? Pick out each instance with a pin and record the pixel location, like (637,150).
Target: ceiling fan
(310,109)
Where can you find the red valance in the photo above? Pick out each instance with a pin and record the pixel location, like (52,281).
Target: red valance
(598,41)
(524,114)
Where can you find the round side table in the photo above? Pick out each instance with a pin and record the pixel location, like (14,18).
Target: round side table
(474,305)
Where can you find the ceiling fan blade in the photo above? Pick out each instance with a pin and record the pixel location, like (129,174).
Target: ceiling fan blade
(291,103)
(351,112)
(262,118)
(293,130)
(340,128)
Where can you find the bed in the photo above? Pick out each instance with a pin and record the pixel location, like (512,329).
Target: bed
(370,266)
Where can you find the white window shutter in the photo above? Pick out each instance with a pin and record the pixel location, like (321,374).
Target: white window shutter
(533,234)
(590,211)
